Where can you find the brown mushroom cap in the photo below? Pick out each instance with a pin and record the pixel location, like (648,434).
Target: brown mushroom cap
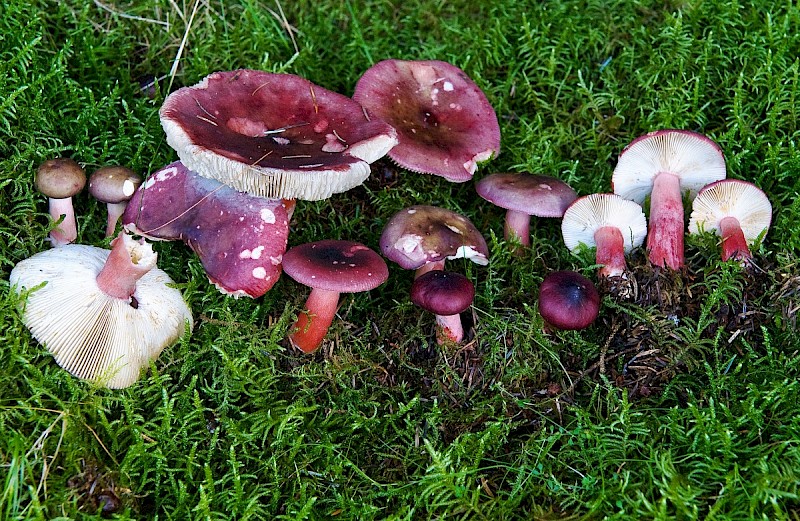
(113,184)
(530,194)
(442,292)
(60,178)
(273,135)
(334,265)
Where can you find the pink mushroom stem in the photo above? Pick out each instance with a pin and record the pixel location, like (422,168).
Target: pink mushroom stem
(314,321)
(665,236)
(449,329)
(115,211)
(610,251)
(122,270)
(734,245)
(67,230)
(518,224)
(429,266)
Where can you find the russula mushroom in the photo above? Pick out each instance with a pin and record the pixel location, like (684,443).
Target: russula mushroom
(273,135)
(568,300)
(446,294)
(665,164)
(114,185)
(445,125)
(737,211)
(524,195)
(59,180)
(329,268)
(239,238)
(422,237)
(609,223)
(103,314)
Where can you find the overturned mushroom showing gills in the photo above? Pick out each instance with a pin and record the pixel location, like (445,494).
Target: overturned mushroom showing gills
(665,164)
(104,315)
(329,268)
(446,294)
(273,135)
(114,185)
(239,238)
(422,237)
(737,211)
(609,223)
(568,300)
(524,195)
(445,125)
(60,179)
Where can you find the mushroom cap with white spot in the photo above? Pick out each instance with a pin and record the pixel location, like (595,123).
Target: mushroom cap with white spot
(273,135)
(741,200)
(334,265)
(113,184)
(531,194)
(693,157)
(588,214)
(92,335)
(421,234)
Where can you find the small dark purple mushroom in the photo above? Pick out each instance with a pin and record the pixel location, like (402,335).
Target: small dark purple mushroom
(422,237)
(329,268)
(239,238)
(59,180)
(568,300)
(445,125)
(273,135)
(446,294)
(114,185)
(524,195)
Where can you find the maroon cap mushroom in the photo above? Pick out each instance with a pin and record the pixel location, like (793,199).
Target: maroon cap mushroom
(568,300)
(524,195)
(114,185)
(329,268)
(273,135)
(421,237)
(737,211)
(664,164)
(609,223)
(59,180)
(446,294)
(239,238)
(445,125)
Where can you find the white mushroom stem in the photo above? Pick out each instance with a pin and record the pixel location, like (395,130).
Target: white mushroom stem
(665,235)
(518,224)
(610,251)
(313,323)
(449,329)
(734,244)
(67,230)
(429,266)
(128,262)
(115,211)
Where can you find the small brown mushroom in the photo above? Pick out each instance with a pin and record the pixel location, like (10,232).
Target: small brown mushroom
(60,179)
(114,185)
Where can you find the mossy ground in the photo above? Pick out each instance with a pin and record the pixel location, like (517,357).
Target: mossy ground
(683,402)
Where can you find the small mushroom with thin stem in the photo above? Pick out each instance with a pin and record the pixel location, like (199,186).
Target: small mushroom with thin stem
(568,300)
(103,314)
(60,179)
(329,268)
(114,185)
(446,294)
(737,211)
(609,223)
(524,195)
(665,164)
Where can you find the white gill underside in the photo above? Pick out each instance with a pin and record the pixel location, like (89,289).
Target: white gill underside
(588,214)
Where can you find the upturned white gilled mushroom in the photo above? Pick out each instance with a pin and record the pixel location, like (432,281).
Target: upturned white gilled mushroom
(735,210)
(60,179)
(114,185)
(609,223)
(103,314)
(665,164)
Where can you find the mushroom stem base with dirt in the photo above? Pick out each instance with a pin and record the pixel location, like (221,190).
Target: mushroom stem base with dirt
(518,224)
(665,236)
(734,244)
(312,324)
(610,252)
(449,329)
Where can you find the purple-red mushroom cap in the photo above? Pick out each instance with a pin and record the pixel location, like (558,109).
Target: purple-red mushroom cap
(274,135)
(442,292)
(335,265)
(568,300)
(445,124)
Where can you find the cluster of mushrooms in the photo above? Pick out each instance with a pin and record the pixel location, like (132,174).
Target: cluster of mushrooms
(251,144)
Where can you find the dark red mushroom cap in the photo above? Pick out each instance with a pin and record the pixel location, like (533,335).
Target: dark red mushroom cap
(333,265)
(445,125)
(273,135)
(60,178)
(239,238)
(530,194)
(113,184)
(442,292)
(568,300)
(421,234)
